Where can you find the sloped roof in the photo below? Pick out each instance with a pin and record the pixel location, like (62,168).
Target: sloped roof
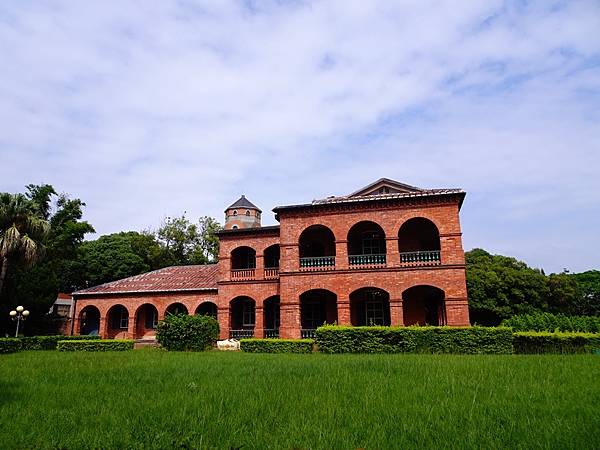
(168,279)
(369,193)
(243,202)
(392,185)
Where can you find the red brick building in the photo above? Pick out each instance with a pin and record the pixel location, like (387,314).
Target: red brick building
(387,254)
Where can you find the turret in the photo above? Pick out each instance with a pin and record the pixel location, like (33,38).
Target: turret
(242,214)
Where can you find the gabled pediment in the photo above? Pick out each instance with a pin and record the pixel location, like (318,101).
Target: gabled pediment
(385,186)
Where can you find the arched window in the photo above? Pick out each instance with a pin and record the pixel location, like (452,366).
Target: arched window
(366,245)
(248,212)
(243,258)
(317,248)
(419,242)
(118,317)
(235,212)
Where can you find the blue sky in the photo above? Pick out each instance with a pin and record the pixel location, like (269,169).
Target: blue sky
(147,109)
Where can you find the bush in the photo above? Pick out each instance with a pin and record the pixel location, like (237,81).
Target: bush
(553,322)
(49,342)
(276,345)
(341,339)
(9,345)
(183,332)
(97,345)
(545,342)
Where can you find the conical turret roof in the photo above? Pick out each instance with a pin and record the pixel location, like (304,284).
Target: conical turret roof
(243,202)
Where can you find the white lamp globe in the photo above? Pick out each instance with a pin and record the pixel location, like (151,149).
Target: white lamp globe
(20,309)
(25,313)
(13,313)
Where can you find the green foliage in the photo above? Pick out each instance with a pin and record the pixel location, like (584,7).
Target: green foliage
(10,345)
(343,339)
(190,243)
(276,345)
(183,332)
(97,345)
(500,287)
(545,342)
(49,342)
(553,322)
(589,288)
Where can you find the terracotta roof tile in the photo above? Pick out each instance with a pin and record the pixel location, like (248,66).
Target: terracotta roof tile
(174,278)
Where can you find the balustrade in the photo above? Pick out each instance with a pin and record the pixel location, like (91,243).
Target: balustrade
(422,258)
(356,261)
(317,263)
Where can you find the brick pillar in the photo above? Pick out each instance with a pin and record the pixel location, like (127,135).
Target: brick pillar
(76,327)
(344,314)
(341,254)
(131,331)
(396,313)
(259,325)
(451,251)
(259,272)
(290,258)
(457,311)
(392,257)
(103,328)
(289,327)
(223,317)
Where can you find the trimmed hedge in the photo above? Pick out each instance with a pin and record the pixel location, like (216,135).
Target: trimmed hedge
(473,340)
(277,345)
(553,322)
(184,332)
(9,345)
(104,345)
(49,342)
(545,342)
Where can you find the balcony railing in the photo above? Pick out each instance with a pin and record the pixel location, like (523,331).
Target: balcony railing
(359,261)
(317,263)
(241,334)
(272,334)
(308,334)
(271,272)
(423,258)
(242,274)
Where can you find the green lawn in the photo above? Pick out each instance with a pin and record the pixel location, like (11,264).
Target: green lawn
(155,399)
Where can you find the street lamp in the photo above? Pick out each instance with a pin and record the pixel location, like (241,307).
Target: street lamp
(18,315)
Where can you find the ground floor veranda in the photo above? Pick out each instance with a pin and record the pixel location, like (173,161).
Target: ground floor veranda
(248,316)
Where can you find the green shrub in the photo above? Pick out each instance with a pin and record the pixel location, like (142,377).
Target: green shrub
(546,342)
(183,332)
(49,342)
(9,345)
(553,322)
(341,339)
(276,345)
(97,345)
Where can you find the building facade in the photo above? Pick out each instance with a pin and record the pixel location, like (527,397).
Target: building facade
(387,254)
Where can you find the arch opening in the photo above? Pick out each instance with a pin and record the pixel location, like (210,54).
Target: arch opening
(317,247)
(146,321)
(419,242)
(243,258)
(176,308)
(370,307)
(271,316)
(242,317)
(118,322)
(89,321)
(366,244)
(207,309)
(317,307)
(424,305)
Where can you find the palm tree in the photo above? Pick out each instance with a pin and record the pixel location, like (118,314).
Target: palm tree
(22,231)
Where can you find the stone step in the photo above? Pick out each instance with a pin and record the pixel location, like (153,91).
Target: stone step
(141,343)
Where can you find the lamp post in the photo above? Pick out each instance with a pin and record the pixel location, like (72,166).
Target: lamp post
(19,314)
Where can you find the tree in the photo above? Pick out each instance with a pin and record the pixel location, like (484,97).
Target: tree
(189,243)
(500,287)
(588,302)
(22,230)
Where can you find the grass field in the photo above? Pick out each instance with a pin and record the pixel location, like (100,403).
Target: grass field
(154,399)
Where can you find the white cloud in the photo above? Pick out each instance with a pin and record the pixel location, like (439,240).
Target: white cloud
(147,109)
